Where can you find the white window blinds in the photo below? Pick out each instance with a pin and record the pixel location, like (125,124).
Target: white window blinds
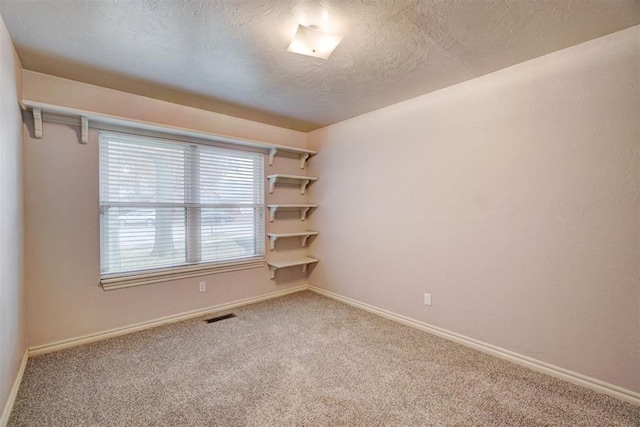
(167,205)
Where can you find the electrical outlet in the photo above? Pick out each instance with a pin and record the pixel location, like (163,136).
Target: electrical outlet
(203,286)
(427,299)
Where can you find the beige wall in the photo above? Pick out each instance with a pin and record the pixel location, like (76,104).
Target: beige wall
(512,198)
(64,300)
(12,326)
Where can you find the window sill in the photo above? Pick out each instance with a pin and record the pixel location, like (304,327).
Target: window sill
(145,278)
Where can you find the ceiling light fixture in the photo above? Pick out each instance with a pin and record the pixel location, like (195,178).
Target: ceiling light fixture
(313,41)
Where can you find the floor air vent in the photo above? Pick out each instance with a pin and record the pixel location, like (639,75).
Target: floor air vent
(219,318)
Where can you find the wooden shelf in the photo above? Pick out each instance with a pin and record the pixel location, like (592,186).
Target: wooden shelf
(84,118)
(303,181)
(303,208)
(300,153)
(276,265)
(304,235)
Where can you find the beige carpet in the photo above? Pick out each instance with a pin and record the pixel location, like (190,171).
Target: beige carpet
(301,360)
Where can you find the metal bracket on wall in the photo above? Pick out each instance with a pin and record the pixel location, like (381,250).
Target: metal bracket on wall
(303,181)
(302,208)
(272,154)
(303,263)
(84,123)
(303,159)
(39,118)
(37,123)
(302,155)
(304,236)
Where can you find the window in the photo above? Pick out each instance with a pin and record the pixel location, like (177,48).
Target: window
(169,207)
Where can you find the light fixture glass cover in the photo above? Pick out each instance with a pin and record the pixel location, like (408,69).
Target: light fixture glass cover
(312,41)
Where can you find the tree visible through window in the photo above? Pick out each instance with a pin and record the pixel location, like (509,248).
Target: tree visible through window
(167,204)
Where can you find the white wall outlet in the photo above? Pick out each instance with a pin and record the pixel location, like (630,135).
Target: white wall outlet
(203,286)
(427,299)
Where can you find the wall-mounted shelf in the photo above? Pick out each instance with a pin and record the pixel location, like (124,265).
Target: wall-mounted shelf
(302,208)
(77,117)
(303,181)
(276,265)
(299,153)
(304,235)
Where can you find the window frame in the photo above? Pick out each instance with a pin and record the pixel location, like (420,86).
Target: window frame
(189,268)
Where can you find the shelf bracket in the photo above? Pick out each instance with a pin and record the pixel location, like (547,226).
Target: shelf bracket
(272,213)
(272,154)
(303,160)
(272,272)
(84,137)
(272,183)
(303,186)
(37,123)
(303,213)
(304,267)
(303,240)
(272,242)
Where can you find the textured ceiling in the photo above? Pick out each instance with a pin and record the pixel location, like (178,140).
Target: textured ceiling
(230,56)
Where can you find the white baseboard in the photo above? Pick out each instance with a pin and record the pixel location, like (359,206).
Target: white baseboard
(73,342)
(537,365)
(11,399)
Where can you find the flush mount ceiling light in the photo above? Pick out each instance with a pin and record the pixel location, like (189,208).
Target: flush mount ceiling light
(313,41)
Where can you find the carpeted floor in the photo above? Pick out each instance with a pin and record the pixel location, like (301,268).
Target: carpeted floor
(301,360)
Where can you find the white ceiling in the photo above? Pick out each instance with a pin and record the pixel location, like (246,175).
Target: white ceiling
(230,56)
